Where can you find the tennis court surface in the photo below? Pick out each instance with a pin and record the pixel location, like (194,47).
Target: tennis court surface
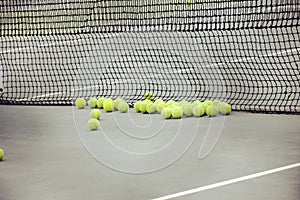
(245,54)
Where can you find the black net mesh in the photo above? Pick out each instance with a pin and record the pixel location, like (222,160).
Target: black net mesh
(243,52)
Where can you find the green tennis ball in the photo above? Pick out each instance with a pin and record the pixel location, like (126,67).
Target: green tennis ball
(166,113)
(157,101)
(208,102)
(198,110)
(116,103)
(170,102)
(100,102)
(216,102)
(211,111)
(177,113)
(143,106)
(150,108)
(136,106)
(224,108)
(95,113)
(174,105)
(187,110)
(92,102)
(1,154)
(108,105)
(93,124)
(183,102)
(123,107)
(149,95)
(204,106)
(80,103)
(160,106)
(196,102)
(189,2)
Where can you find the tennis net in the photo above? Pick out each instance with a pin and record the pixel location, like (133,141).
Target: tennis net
(243,52)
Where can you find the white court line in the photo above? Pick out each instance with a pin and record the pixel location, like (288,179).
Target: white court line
(228,182)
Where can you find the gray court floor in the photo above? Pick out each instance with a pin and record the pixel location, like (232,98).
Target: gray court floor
(46,157)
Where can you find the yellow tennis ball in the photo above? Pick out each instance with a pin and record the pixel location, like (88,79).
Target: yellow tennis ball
(150,108)
(211,111)
(100,102)
(208,102)
(143,106)
(204,106)
(183,102)
(1,154)
(196,102)
(123,107)
(216,102)
(166,113)
(95,113)
(80,103)
(136,106)
(157,101)
(174,105)
(177,112)
(198,110)
(189,2)
(160,106)
(92,102)
(116,103)
(224,108)
(108,105)
(170,102)
(149,95)
(93,124)
(187,109)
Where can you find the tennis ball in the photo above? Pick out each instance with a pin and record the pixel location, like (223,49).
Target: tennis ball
(93,124)
(208,102)
(160,106)
(80,103)
(157,101)
(149,95)
(211,111)
(150,108)
(187,110)
(183,102)
(170,102)
(189,2)
(174,105)
(142,107)
(166,113)
(116,103)
(216,102)
(198,110)
(204,106)
(177,112)
(108,105)
(136,106)
(100,102)
(92,102)
(123,107)
(1,154)
(95,113)
(224,108)
(196,102)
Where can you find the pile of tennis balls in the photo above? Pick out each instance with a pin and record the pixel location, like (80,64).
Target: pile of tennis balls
(176,110)
(168,109)
(95,104)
